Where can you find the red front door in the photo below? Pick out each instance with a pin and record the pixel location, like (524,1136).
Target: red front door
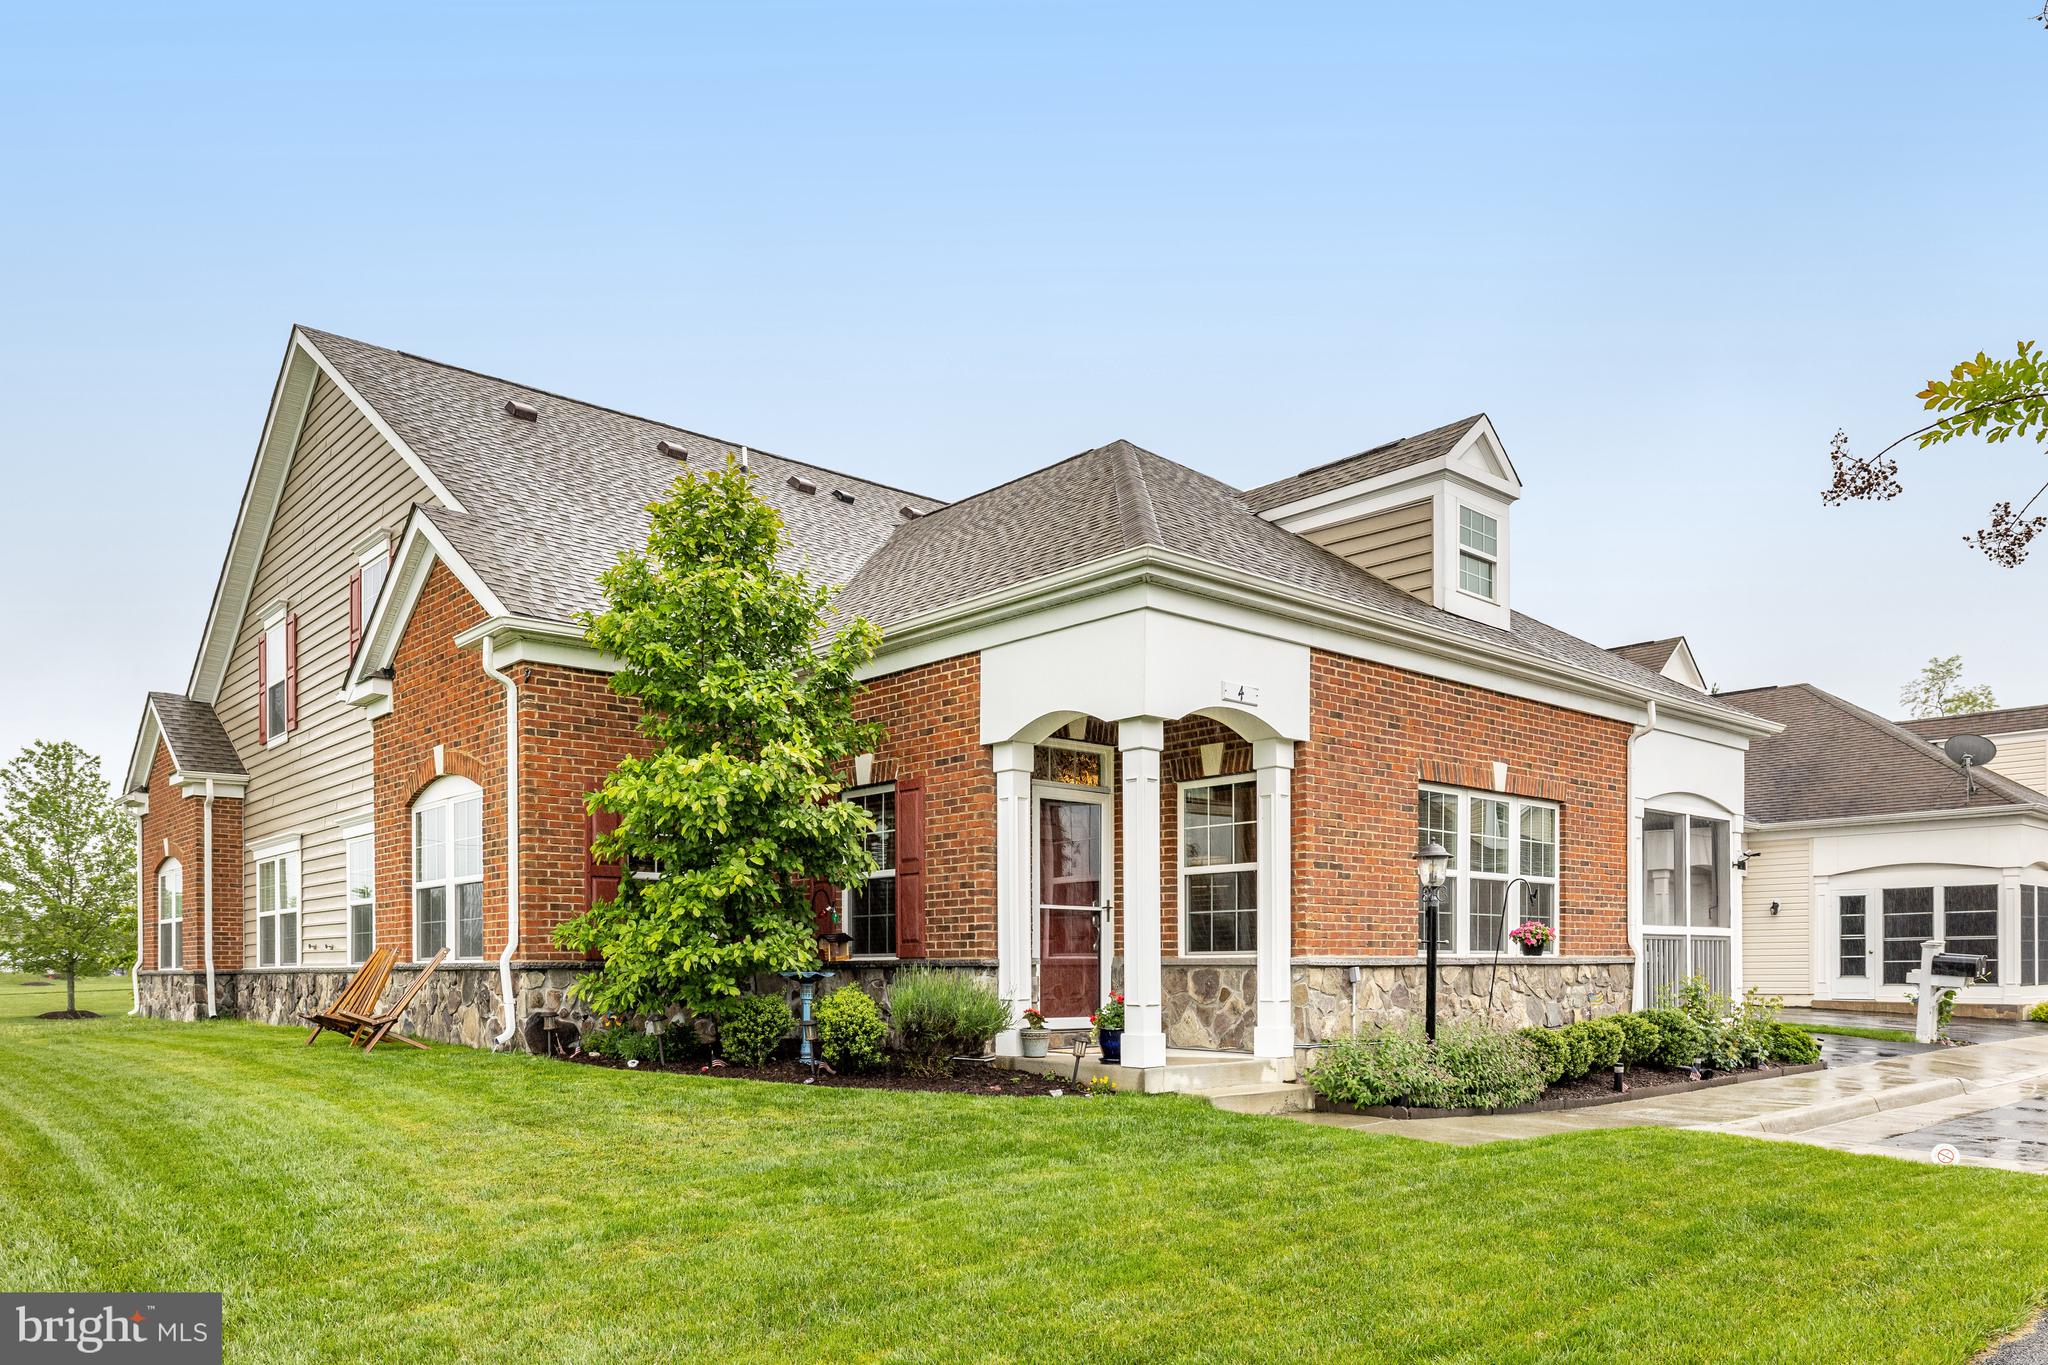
(1071,896)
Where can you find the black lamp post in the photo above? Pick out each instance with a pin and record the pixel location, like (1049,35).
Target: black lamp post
(1430,861)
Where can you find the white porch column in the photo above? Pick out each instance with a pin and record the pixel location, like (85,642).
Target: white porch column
(1014,977)
(1273,1035)
(1140,738)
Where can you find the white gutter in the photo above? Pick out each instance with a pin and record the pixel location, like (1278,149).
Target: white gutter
(207,858)
(1633,860)
(135,973)
(511,839)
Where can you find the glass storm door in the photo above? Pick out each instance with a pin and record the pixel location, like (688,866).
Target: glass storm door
(1855,945)
(1072,894)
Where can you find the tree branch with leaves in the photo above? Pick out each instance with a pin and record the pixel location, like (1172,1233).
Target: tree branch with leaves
(1998,400)
(1939,691)
(746,684)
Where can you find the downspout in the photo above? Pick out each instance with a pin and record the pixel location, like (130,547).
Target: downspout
(141,887)
(1634,849)
(207,893)
(511,840)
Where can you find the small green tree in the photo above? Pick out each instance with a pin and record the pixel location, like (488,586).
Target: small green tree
(1938,691)
(67,866)
(747,689)
(1995,399)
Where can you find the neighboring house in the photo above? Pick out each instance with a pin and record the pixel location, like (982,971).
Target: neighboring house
(1142,728)
(1865,840)
(1670,657)
(2020,732)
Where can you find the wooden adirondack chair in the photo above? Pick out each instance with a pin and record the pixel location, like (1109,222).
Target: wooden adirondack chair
(358,999)
(375,1028)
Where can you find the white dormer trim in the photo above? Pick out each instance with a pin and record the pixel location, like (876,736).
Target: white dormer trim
(1683,669)
(1475,473)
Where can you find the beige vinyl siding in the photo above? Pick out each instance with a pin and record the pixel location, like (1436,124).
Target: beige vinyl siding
(2023,758)
(1777,950)
(1393,545)
(345,484)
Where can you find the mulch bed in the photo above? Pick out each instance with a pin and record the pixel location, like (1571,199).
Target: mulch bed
(967,1079)
(1644,1082)
(67,1014)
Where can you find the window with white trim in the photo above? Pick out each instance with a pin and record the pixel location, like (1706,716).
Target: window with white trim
(870,908)
(275,712)
(277,909)
(1478,552)
(1219,865)
(375,564)
(1495,842)
(2033,935)
(362,896)
(448,870)
(170,916)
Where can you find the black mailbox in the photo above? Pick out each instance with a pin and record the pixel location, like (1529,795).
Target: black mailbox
(1969,966)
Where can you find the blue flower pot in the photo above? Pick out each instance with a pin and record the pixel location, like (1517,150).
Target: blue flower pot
(1112,1044)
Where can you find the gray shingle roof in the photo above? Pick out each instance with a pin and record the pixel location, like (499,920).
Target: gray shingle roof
(1834,760)
(1120,496)
(1367,464)
(1650,654)
(548,504)
(198,742)
(2011,720)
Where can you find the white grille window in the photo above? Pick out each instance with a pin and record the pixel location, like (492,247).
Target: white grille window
(277,908)
(1478,552)
(1219,862)
(1503,868)
(871,909)
(170,917)
(448,870)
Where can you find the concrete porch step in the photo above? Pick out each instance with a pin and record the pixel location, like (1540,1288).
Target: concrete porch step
(1272,1097)
(1184,1072)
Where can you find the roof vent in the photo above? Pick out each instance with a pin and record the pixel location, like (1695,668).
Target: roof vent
(525,412)
(843,496)
(802,484)
(675,450)
(909,513)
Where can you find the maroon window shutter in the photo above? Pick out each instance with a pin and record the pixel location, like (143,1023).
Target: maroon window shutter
(291,673)
(263,688)
(909,867)
(355,609)
(600,880)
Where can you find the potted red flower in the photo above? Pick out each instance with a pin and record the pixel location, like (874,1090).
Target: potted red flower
(1109,1027)
(1034,1038)
(1534,936)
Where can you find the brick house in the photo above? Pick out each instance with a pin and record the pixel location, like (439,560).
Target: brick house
(1143,729)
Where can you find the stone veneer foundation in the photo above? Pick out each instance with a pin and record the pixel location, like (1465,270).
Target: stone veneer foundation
(1544,991)
(459,1005)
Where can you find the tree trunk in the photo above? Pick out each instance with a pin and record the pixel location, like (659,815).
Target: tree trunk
(71,991)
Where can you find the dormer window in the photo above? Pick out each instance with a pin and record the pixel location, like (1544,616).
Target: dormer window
(1478,552)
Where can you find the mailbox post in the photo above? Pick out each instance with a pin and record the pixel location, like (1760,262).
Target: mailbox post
(1939,971)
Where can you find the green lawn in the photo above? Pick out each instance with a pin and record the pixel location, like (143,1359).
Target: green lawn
(1882,1035)
(21,999)
(453,1205)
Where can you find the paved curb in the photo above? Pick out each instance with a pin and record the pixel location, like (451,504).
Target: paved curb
(1904,1096)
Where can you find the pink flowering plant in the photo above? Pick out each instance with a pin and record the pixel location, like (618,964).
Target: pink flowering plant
(1532,933)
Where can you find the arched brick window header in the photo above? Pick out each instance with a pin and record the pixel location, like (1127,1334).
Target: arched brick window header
(454,762)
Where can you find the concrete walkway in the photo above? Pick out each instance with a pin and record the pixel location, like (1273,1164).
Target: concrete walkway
(1890,1106)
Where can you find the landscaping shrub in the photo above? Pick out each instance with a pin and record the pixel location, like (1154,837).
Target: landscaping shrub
(1480,1066)
(1792,1044)
(1472,1066)
(850,1029)
(1551,1052)
(2039,1014)
(629,1041)
(941,1014)
(1384,1067)
(752,1027)
(1578,1052)
(1640,1037)
(1680,1041)
(1603,1042)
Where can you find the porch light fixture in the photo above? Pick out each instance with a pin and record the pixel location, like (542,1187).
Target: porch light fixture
(1430,861)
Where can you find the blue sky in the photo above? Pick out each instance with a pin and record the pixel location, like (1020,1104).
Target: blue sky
(1668,248)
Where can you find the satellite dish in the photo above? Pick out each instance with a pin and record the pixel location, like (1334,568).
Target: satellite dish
(1967,752)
